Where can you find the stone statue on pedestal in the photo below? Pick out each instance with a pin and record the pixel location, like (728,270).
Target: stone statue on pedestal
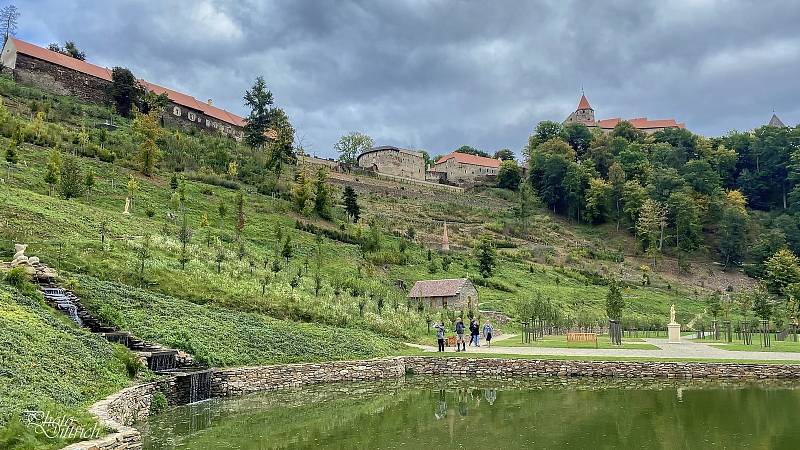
(127,205)
(673,328)
(672,313)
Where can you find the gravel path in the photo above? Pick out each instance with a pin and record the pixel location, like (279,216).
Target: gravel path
(686,349)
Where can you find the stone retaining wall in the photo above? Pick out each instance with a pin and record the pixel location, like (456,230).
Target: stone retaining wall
(124,408)
(121,410)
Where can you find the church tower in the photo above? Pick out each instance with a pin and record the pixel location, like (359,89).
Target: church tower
(584,114)
(775,121)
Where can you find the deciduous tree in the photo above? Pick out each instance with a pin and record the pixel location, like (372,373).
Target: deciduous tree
(351,145)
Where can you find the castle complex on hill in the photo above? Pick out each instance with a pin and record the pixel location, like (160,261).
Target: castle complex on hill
(64,75)
(584,114)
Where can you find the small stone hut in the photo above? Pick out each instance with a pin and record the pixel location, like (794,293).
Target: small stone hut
(451,293)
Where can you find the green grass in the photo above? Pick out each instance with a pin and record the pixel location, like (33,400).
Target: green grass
(47,364)
(223,337)
(739,346)
(560,341)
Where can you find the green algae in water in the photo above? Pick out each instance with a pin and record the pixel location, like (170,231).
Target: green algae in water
(422,412)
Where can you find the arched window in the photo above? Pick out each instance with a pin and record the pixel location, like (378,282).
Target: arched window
(177,111)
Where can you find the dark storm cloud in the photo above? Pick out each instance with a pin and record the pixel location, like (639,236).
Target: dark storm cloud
(439,74)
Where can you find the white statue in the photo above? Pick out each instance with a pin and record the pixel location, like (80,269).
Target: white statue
(672,313)
(19,255)
(127,205)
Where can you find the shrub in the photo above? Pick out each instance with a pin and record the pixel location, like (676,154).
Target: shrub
(213,179)
(149,212)
(18,278)
(158,403)
(131,362)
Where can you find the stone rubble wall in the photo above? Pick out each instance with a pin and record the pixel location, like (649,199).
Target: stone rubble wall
(132,404)
(119,411)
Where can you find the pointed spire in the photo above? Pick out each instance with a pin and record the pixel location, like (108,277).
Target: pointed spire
(445,240)
(775,121)
(584,103)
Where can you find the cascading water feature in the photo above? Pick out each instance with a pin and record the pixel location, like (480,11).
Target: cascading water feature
(199,386)
(64,302)
(162,361)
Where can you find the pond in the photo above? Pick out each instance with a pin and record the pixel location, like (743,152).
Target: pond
(422,412)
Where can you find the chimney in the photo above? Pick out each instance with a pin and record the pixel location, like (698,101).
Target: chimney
(210,102)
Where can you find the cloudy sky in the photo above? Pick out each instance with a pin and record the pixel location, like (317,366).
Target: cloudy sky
(436,75)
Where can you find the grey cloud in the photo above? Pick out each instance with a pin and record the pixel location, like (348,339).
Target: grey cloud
(438,74)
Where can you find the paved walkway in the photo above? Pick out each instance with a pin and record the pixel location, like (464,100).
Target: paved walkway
(686,349)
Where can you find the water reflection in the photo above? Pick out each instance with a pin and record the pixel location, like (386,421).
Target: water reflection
(521,413)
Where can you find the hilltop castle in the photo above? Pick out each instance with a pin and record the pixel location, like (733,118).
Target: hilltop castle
(584,114)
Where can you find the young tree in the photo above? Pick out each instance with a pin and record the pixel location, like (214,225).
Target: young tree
(204,225)
(219,257)
(221,211)
(486,257)
(173,181)
(260,100)
(351,145)
(125,90)
(133,188)
(184,236)
(318,266)
(351,203)
(12,157)
(88,183)
(143,254)
(8,21)
(302,191)
(53,170)
(239,215)
(509,175)
(287,250)
(321,195)
(147,129)
(615,303)
(71,178)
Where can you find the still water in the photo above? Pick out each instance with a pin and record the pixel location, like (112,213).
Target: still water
(426,413)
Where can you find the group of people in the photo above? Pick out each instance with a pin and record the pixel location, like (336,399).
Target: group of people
(460,330)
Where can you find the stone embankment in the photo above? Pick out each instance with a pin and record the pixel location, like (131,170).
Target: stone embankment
(122,409)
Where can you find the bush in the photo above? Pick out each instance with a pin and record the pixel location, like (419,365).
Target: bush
(213,179)
(158,403)
(131,362)
(149,212)
(18,278)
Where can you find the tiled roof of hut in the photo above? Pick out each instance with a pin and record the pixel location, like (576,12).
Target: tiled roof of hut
(437,288)
(475,160)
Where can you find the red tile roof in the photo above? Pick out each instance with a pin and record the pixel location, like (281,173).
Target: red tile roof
(437,288)
(475,160)
(584,103)
(641,123)
(176,97)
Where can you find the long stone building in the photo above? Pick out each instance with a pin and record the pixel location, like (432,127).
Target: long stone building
(64,75)
(394,161)
(584,114)
(461,167)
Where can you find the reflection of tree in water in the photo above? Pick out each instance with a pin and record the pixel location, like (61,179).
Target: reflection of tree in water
(441,406)
(490,395)
(462,402)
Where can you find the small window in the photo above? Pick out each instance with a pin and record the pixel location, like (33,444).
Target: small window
(191,116)
(177,111)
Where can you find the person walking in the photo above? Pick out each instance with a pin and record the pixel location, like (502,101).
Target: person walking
(460,344)
(487,333)
(474,333)
(440,335)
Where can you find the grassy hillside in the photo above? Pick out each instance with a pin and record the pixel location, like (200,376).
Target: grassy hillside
(47,364)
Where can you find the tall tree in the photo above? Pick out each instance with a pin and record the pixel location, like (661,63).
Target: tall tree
(616,176)
(504,155)
(281,149)
(627,131)
(350,199)
(69,49)
(598,201)
(148,131)
(782,270)
(322,201)
(579,138)
(685,217)
(124,90)
(733,229)
(651,225)
(509,175)
(351,145)
(8,21)
(469,150)
(259,99)
(302,191)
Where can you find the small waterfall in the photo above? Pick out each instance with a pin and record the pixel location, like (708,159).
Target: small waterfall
(199,386)
(162,361)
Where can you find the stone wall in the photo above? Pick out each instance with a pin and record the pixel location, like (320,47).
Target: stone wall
(394,161)
(132,404)
(244,380)
(60,80)
(121,410)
